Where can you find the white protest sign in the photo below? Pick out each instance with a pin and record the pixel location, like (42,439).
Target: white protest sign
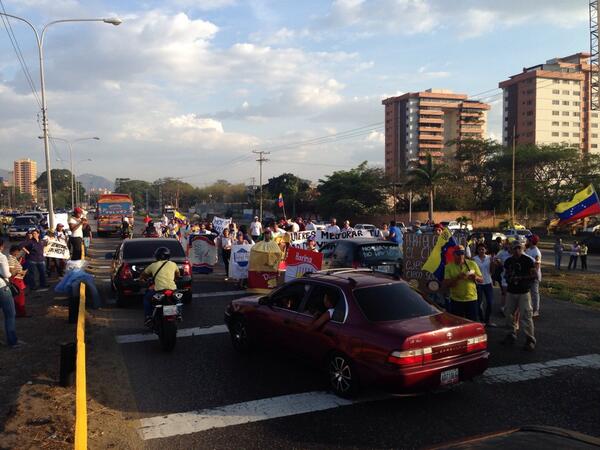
(298,239)
(239,261)
(56,249)
(220,224)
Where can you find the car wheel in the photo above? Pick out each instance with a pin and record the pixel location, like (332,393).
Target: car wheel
(238,331)
(343,379)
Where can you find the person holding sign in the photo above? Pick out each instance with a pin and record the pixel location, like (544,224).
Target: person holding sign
(461,276)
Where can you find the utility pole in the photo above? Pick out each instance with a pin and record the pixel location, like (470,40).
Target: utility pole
(512,203)
(147,204)
(261,159)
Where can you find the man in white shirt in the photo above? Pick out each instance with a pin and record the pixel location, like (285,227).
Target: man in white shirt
(76,240)
(534,253)
(333,227)
(347,226)
(255,229)
(310,225)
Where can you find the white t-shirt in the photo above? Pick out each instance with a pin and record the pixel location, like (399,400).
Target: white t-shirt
(536,255)
(503,255)
(78,232)
(255,228)
(332,229)
(4,270)
(295,227)
(310,227)
(484,267)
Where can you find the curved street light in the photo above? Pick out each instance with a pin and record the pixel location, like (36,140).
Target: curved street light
(39,37)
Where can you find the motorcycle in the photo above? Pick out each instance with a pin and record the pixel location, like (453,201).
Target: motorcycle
(150,233)
(127,233)
(166,313)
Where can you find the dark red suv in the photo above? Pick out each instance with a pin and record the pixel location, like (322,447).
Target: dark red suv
(381,332)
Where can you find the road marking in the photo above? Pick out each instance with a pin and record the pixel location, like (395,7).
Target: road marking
(524,372)
(238,413)
(218,294)
(183,332)
(288,405)
(100,267)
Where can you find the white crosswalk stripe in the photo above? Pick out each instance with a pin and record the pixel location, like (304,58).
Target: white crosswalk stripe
(288,405)
(183,332)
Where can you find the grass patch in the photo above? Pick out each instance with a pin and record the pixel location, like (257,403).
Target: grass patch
(572,286)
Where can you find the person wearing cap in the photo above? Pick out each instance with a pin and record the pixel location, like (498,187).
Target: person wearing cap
(520,273)
(534,252)
(76,224)
(312,244)
(438,228)
(461,276)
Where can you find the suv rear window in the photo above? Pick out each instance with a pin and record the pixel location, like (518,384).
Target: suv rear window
(389,302)
(24,221)
(374,253)
(145,248)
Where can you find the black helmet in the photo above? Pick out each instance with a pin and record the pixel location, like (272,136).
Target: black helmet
(162,254)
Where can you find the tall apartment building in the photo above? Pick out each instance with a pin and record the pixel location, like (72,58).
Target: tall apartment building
(550,104)
(25,174)
(422,123)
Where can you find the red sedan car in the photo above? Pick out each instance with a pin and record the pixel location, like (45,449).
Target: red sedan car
(380,331)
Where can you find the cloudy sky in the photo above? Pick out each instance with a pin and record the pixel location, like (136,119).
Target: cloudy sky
(187,88)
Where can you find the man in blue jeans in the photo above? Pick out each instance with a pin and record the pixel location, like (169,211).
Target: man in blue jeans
(7,303)
(36,263)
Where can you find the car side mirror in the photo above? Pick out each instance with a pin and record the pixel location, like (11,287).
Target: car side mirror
(109,255)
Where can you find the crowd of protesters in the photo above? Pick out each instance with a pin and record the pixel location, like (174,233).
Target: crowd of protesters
(26,268)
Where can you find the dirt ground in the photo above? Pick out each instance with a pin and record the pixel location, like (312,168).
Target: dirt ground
(35,412)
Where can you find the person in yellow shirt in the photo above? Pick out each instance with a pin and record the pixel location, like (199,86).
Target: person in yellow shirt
(461,277)
(163,273)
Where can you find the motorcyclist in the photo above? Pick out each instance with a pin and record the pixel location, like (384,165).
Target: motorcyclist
(125,228)
(150,230)
(163,274)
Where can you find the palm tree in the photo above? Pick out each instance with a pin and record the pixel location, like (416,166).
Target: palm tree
(429,176)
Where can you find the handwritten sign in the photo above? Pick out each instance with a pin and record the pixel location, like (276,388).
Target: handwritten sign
(219,224)
(299,239)
(56,249)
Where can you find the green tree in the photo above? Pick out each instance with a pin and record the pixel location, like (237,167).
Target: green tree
(61,187)
(294,190)
(351,193)
(428,177)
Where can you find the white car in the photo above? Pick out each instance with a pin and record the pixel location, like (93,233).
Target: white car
(454,225)
(364,226)
(512,234)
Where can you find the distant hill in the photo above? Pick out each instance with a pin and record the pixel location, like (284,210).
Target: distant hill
(90,181)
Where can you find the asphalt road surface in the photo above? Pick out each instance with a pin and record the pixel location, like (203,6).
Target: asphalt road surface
(204,395)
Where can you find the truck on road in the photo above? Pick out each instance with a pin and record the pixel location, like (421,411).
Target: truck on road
(111,210)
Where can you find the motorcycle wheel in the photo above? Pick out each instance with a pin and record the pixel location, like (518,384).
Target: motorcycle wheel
(168,336)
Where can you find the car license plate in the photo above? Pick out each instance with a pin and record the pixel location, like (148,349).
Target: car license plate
(449,377)
(385,269)
(169,310)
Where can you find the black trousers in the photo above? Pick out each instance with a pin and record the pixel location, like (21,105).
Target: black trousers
(76,244)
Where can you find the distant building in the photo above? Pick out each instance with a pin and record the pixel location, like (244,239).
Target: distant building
(422,123)
(25,174)
(550,104)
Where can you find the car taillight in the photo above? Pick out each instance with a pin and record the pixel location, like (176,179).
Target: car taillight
(126,272)
(187,269)
(477,343)
(410,357)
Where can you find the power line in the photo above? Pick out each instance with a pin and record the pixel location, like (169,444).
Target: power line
(15,45)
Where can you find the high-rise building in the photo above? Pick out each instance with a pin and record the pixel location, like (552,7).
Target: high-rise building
(550,104)
(429,122)
(25,175)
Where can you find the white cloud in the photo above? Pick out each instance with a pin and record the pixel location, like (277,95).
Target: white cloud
(191,121)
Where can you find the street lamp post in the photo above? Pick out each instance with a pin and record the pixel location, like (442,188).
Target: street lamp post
(39,37)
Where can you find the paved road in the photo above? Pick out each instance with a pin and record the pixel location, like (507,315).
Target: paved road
(204,395)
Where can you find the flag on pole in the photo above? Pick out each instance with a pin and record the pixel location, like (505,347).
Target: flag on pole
(280,200)
(440,255)
(179,216)
(585,203)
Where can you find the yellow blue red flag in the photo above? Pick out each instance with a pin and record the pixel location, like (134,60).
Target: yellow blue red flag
(179,216)
(585,203)
(280,200)
(440,255)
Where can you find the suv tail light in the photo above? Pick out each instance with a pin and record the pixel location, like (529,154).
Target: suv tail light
(125,273)
(187,269)
(410,357)
(477,343)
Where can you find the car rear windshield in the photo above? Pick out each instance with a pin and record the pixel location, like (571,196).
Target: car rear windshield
(24,221)
(375,253)
(389,302)
(143,249)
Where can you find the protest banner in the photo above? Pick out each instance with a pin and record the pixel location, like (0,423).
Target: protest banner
(219,224)
(239,261)
(298,239)
(202,253)
(301,261)
(263,271)
(416,249)
(56,249)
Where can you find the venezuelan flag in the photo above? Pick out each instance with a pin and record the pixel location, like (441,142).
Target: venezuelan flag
(280,200)
(179,216)
(440,255)
(583,204)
